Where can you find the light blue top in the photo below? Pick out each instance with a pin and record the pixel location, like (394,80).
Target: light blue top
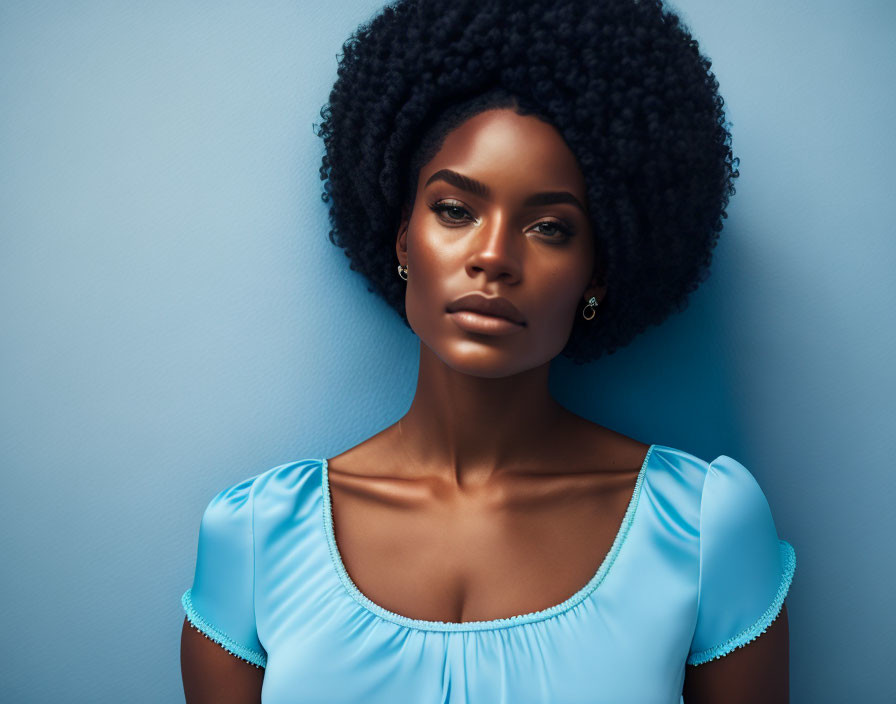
(695,571)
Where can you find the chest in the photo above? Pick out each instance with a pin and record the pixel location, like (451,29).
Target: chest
(622,641)
(486,556)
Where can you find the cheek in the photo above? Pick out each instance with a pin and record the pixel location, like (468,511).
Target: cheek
(430,245)
(436,253)
(562,291)
(430,264)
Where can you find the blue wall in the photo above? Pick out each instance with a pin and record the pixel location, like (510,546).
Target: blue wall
(175,319)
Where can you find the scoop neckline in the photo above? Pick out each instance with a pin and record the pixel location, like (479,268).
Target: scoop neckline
(487,624)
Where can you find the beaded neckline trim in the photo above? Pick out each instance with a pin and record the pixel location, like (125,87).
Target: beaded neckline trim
(490,624)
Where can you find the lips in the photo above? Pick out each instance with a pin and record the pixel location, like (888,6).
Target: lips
(487,305)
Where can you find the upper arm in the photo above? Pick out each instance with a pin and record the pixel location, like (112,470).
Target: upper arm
(211,675)
(739,650)
(222,658)
(757,672)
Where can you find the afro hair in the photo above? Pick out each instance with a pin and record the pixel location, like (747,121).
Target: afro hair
(623,82)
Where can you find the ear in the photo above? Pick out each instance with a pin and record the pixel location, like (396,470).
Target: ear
(401,241)
(597,287)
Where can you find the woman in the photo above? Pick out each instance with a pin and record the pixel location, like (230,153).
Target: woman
(546,178)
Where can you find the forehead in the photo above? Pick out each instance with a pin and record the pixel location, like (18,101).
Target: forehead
(509,152)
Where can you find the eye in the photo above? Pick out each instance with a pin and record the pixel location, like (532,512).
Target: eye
(449,208)
(453,212)
(560,230)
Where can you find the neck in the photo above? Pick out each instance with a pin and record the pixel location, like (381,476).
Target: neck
(466,428)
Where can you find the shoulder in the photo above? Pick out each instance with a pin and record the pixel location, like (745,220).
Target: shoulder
(671,486)
(284,477)
(727,496)
(717,495)
(287,481)
(672,469)
(722,475)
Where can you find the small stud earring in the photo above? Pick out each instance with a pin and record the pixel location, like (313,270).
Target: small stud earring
(403,272)
(592,304)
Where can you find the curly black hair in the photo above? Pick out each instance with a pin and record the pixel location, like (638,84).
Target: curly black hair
(623,82)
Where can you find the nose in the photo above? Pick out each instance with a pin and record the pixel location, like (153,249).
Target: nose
(496,250)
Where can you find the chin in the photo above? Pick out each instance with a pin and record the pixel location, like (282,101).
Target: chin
(484,358)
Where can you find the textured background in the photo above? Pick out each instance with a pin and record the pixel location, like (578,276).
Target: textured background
(174,318)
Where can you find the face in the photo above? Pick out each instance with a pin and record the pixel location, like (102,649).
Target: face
(499,211)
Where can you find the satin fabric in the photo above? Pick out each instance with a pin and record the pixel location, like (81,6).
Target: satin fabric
(696,571)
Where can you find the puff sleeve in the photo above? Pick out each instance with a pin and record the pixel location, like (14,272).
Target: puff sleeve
(745,569)
(220,603)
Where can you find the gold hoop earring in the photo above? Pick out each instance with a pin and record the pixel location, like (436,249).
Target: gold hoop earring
(592,304)
(403,272)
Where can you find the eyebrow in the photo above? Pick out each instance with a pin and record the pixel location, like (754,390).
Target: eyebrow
(480,189)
